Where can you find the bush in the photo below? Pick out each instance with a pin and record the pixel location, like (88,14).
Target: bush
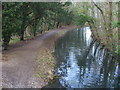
(117,49)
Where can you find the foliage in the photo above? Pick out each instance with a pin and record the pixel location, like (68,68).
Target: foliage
(17,16)
(81,19)
(116,24)
(10,22)
(117,49)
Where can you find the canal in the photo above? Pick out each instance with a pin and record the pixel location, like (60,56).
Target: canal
(81,62)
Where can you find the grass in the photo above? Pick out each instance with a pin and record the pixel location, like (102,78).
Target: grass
(28,37)
(0,43)
(14,40)
(61,33)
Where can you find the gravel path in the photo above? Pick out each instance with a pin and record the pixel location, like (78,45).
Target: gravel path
(19,65)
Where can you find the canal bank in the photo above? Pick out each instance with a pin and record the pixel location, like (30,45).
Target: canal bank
(45,58)
(82,63)
(20,63)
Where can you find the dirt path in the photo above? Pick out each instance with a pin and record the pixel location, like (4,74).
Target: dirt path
(20,63)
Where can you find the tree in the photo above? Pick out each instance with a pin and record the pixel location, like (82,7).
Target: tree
(17,16)
(9,16)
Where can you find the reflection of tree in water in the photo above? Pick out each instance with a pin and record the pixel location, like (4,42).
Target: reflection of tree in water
(96,66)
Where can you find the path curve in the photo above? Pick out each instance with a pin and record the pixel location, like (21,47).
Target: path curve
(19,67)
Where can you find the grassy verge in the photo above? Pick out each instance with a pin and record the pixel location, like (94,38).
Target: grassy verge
(46,65)
(14,40)
(45,61)
(61,33)
(0,43)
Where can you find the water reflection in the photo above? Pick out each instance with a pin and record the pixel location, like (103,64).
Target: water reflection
(83,63)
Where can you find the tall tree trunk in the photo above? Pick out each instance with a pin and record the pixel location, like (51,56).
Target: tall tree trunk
(35,28)
(110,32)
(22,35)
(22,30)
(95,30)
(110,15)
(58,25)
(24,7)
(6,42)
(102,13)
(119,22)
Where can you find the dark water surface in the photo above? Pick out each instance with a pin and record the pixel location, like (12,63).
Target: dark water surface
(83,63)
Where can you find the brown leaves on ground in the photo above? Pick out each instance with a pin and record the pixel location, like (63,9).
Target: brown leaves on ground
(3,57)
(45,60)
(46,65)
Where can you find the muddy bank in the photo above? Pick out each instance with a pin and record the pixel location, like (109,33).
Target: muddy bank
(20,67)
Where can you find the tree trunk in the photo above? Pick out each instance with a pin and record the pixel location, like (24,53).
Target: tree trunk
(22,31)
(34,28)
(6,42)
(110,32)
(110,15)
(102,13)
(23,26)
(22,35)
(119,22)
(58,24)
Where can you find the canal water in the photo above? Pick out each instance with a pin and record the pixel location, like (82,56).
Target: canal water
(83,63)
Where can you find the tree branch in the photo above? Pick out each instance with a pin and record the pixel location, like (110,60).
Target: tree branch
(101,12)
